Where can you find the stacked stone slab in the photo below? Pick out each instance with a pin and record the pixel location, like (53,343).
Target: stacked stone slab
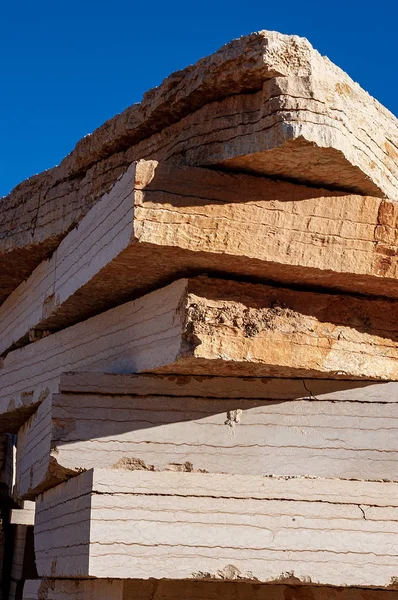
(155,422)
(199,342)
(266,103)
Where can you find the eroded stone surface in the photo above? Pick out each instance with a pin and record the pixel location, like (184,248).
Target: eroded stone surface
(213,327)
(184,220)
(336,438)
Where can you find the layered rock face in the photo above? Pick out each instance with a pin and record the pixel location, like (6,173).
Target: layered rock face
(199,344)
(266,103)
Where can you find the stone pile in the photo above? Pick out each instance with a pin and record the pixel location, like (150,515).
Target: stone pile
(199,344)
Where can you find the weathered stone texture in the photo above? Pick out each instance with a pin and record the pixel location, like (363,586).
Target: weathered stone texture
(186,220)
(208,326)
(329,439)
(142,524)
(303,119)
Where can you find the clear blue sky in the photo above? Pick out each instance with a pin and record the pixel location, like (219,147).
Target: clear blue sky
(68,66)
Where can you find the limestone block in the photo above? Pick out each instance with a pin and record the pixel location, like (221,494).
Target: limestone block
(71,432)
(125,524)
(309,129)
(268,103)
(218,327)
(226,387)
(184,220)
(200,386)
(24,515)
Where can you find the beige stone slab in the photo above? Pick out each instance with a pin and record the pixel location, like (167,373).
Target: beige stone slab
(24,515)
(331,439)
(300,128)
(193,526)
(199,386)
(213,327)
(41,210)
(227,387)
(307,121)
(100,589)
(184,220)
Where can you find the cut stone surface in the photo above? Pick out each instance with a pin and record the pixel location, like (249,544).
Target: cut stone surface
(24,515)
(119,589)
(221,388)
(226,387)
(199,386)
(160,221)
(140,524)
(218,327)
(266,103)
(329,439)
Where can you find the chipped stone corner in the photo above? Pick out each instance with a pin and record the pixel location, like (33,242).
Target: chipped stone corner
(137,464)
(288,577)
(233,417)
(228,573)
(393,585)
(133,464)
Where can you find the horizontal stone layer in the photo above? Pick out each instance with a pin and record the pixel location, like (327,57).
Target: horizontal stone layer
(24,515)
(197,526)
(225,387)
(160,221)
(331,439)
(197,386)
(218,327)
(303,119)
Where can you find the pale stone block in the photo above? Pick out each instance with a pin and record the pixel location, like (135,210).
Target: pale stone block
(140,524)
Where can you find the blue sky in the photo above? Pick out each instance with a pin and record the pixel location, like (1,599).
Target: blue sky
(66,67)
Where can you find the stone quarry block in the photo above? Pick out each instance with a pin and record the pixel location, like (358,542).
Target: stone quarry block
(300,128)
(125,524)
(226,387)
(204,387)
(208,326)
(119,589)
(267,103)
(197,386)
(329,439)
(184,220)
(24,515)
